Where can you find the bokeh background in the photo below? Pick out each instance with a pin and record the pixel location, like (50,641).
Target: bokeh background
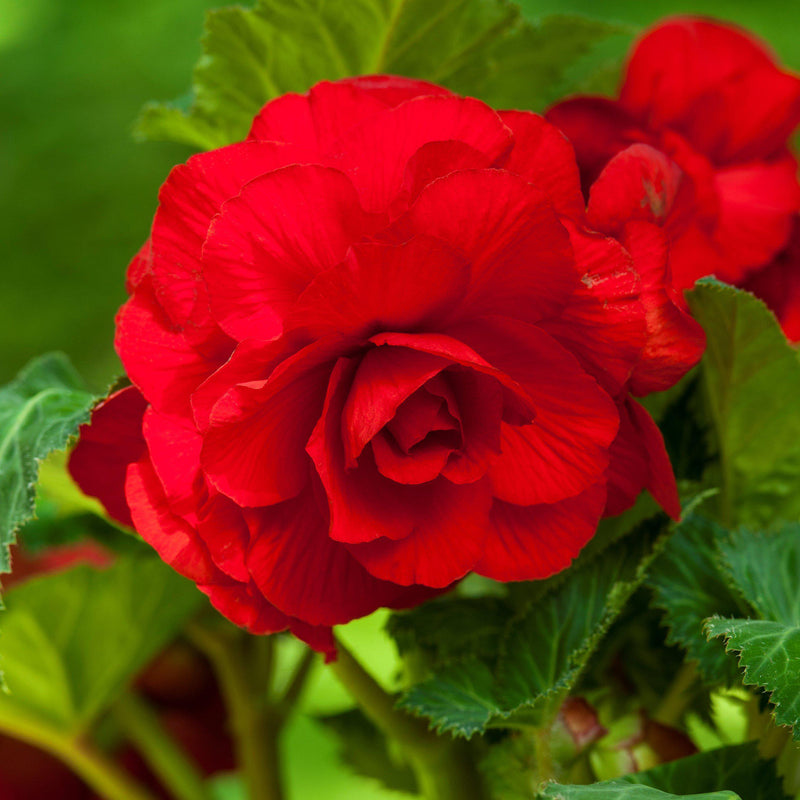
(78,194)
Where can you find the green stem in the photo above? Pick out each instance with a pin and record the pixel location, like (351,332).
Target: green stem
(544,755)
(296,683)
(101,774)
(168,762)
(254,727)
(677,699)
(444,767)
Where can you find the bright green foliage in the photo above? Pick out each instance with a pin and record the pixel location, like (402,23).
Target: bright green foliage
(478,47)
(542,650)
(766,569)
(751,377)
(689,585)
(39,411)
(367,751)
(71,640)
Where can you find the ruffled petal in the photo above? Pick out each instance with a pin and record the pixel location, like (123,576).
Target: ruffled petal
(270,241)
(253,451)
(411,286)
(172,537)
(521,260)
(639,460)
(757,207)
(190,197)
(543,155)
(158,357)
(603,325)
(303,572)
(375,153)
(106,447)
(675,341)
(533,542)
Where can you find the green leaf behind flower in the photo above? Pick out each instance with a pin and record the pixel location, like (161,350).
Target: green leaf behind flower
(484,48)
(39,411)
(72,639)
(542,650)
(766,570)
(751,380)
(690,585)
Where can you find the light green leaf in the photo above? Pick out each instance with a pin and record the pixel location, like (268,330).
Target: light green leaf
(39,411)
(689,585)
(543,649)
(766,570)
(751,376)
(71,640)
(479,47)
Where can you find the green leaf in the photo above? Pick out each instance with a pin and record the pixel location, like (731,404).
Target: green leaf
(617,790)
(766,570)
(728,772)
(367,752)
(39,411)
(749,373)
(543,649)
(479,47)
(689,585)
(72,639)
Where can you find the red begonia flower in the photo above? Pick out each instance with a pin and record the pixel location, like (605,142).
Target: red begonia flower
(375,348)
(712,99)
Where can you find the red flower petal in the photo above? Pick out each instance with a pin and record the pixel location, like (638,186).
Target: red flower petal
(158,358)
(192,194)
(534,542)
(675,342)
(757,206)
(638,461)
(172,537)
(303,572)
(254,450)
(543,155)
(222,528)
(246,607)
(639,183)
(378,287)
(714,83)
(564,449)
(375,153)
(603,324)
(270,241)
(519,253)
(174,448)
(107,445)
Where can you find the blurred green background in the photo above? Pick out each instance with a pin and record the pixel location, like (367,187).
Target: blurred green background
(78,195)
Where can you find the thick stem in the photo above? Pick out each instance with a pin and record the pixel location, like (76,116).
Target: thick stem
(101,774)
(255,730)
(544,754)
(143,727)
(443,766)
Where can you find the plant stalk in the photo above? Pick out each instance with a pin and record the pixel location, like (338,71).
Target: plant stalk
(444,767)
(168,762)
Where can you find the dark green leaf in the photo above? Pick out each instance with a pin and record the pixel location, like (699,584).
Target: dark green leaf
(543,649)
(766,570)
(689,586)
(616,790)
(737,768)
(479,47)
(39,411)
(367,752)
(72,639)
(750,376)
